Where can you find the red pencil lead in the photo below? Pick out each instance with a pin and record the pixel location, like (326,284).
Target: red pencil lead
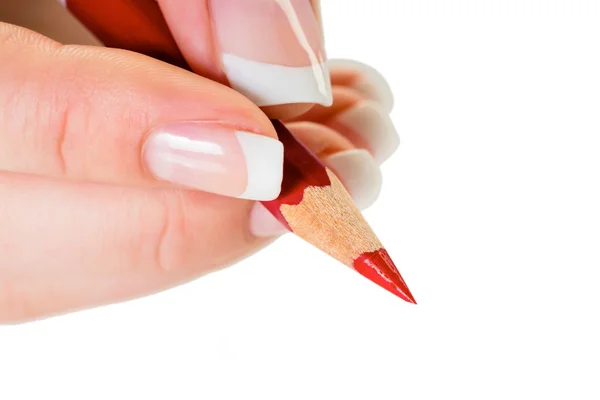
(378,267)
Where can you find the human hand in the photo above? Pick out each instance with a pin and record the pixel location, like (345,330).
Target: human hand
(121,175)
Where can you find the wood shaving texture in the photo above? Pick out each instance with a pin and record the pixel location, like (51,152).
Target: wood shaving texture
(328,219)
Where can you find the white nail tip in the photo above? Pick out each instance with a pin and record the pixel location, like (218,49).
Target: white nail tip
(271,84)
(359,173)
(264,165)
(370,83)
(374,125)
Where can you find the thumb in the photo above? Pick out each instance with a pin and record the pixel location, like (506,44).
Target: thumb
(113,116)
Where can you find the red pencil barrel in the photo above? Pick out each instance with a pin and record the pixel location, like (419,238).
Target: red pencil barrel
(301,169)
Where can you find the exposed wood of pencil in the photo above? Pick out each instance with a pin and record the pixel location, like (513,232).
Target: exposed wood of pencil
(328,219)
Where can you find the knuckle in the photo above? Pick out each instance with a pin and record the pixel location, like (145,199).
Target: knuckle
(188,233)
(171,249)
(47,130)
(70,110)
(85,110)
(32,103)
(57,135)
(65,109)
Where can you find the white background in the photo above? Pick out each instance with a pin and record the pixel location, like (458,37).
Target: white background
(491,208)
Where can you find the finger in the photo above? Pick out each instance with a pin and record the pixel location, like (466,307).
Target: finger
(69,245)
(362,101)
(364,122)
(343,99)
(355,167)
(321,140)
(368,126)
(271,51)
(125,242)
(105,115)
(364,79)
(365,82)
(259,72)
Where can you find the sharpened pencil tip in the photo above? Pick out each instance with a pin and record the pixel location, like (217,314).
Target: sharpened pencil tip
(378,267)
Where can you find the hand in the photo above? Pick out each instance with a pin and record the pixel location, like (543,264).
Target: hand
(121,175)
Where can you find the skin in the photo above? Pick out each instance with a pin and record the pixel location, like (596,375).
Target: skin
(76,231)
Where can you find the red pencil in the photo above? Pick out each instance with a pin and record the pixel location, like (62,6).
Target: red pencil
(313,202)
(315,206)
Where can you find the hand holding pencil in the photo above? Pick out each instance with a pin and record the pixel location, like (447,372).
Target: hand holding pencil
(136,170)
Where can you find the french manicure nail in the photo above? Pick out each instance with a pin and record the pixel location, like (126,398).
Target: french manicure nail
(263,223)
(369,125)
(359,173)
(366,80)
(217,159)
(272,50)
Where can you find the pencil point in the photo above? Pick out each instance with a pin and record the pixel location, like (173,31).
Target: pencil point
(378,267)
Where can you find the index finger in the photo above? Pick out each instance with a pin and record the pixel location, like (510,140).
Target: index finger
(271,51)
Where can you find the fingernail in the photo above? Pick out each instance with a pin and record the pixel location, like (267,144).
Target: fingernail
(364,79)
(272,50)
(217,159)
(368,125)
(359,173)
(263,223)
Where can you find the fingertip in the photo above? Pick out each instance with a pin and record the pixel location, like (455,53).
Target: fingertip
(359,173)
(287,111)
(271,51)
(369,125)
(363,78)
(264,166)
(216,158)
(320,139)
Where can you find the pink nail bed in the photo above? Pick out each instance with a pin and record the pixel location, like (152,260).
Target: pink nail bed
(217,159)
